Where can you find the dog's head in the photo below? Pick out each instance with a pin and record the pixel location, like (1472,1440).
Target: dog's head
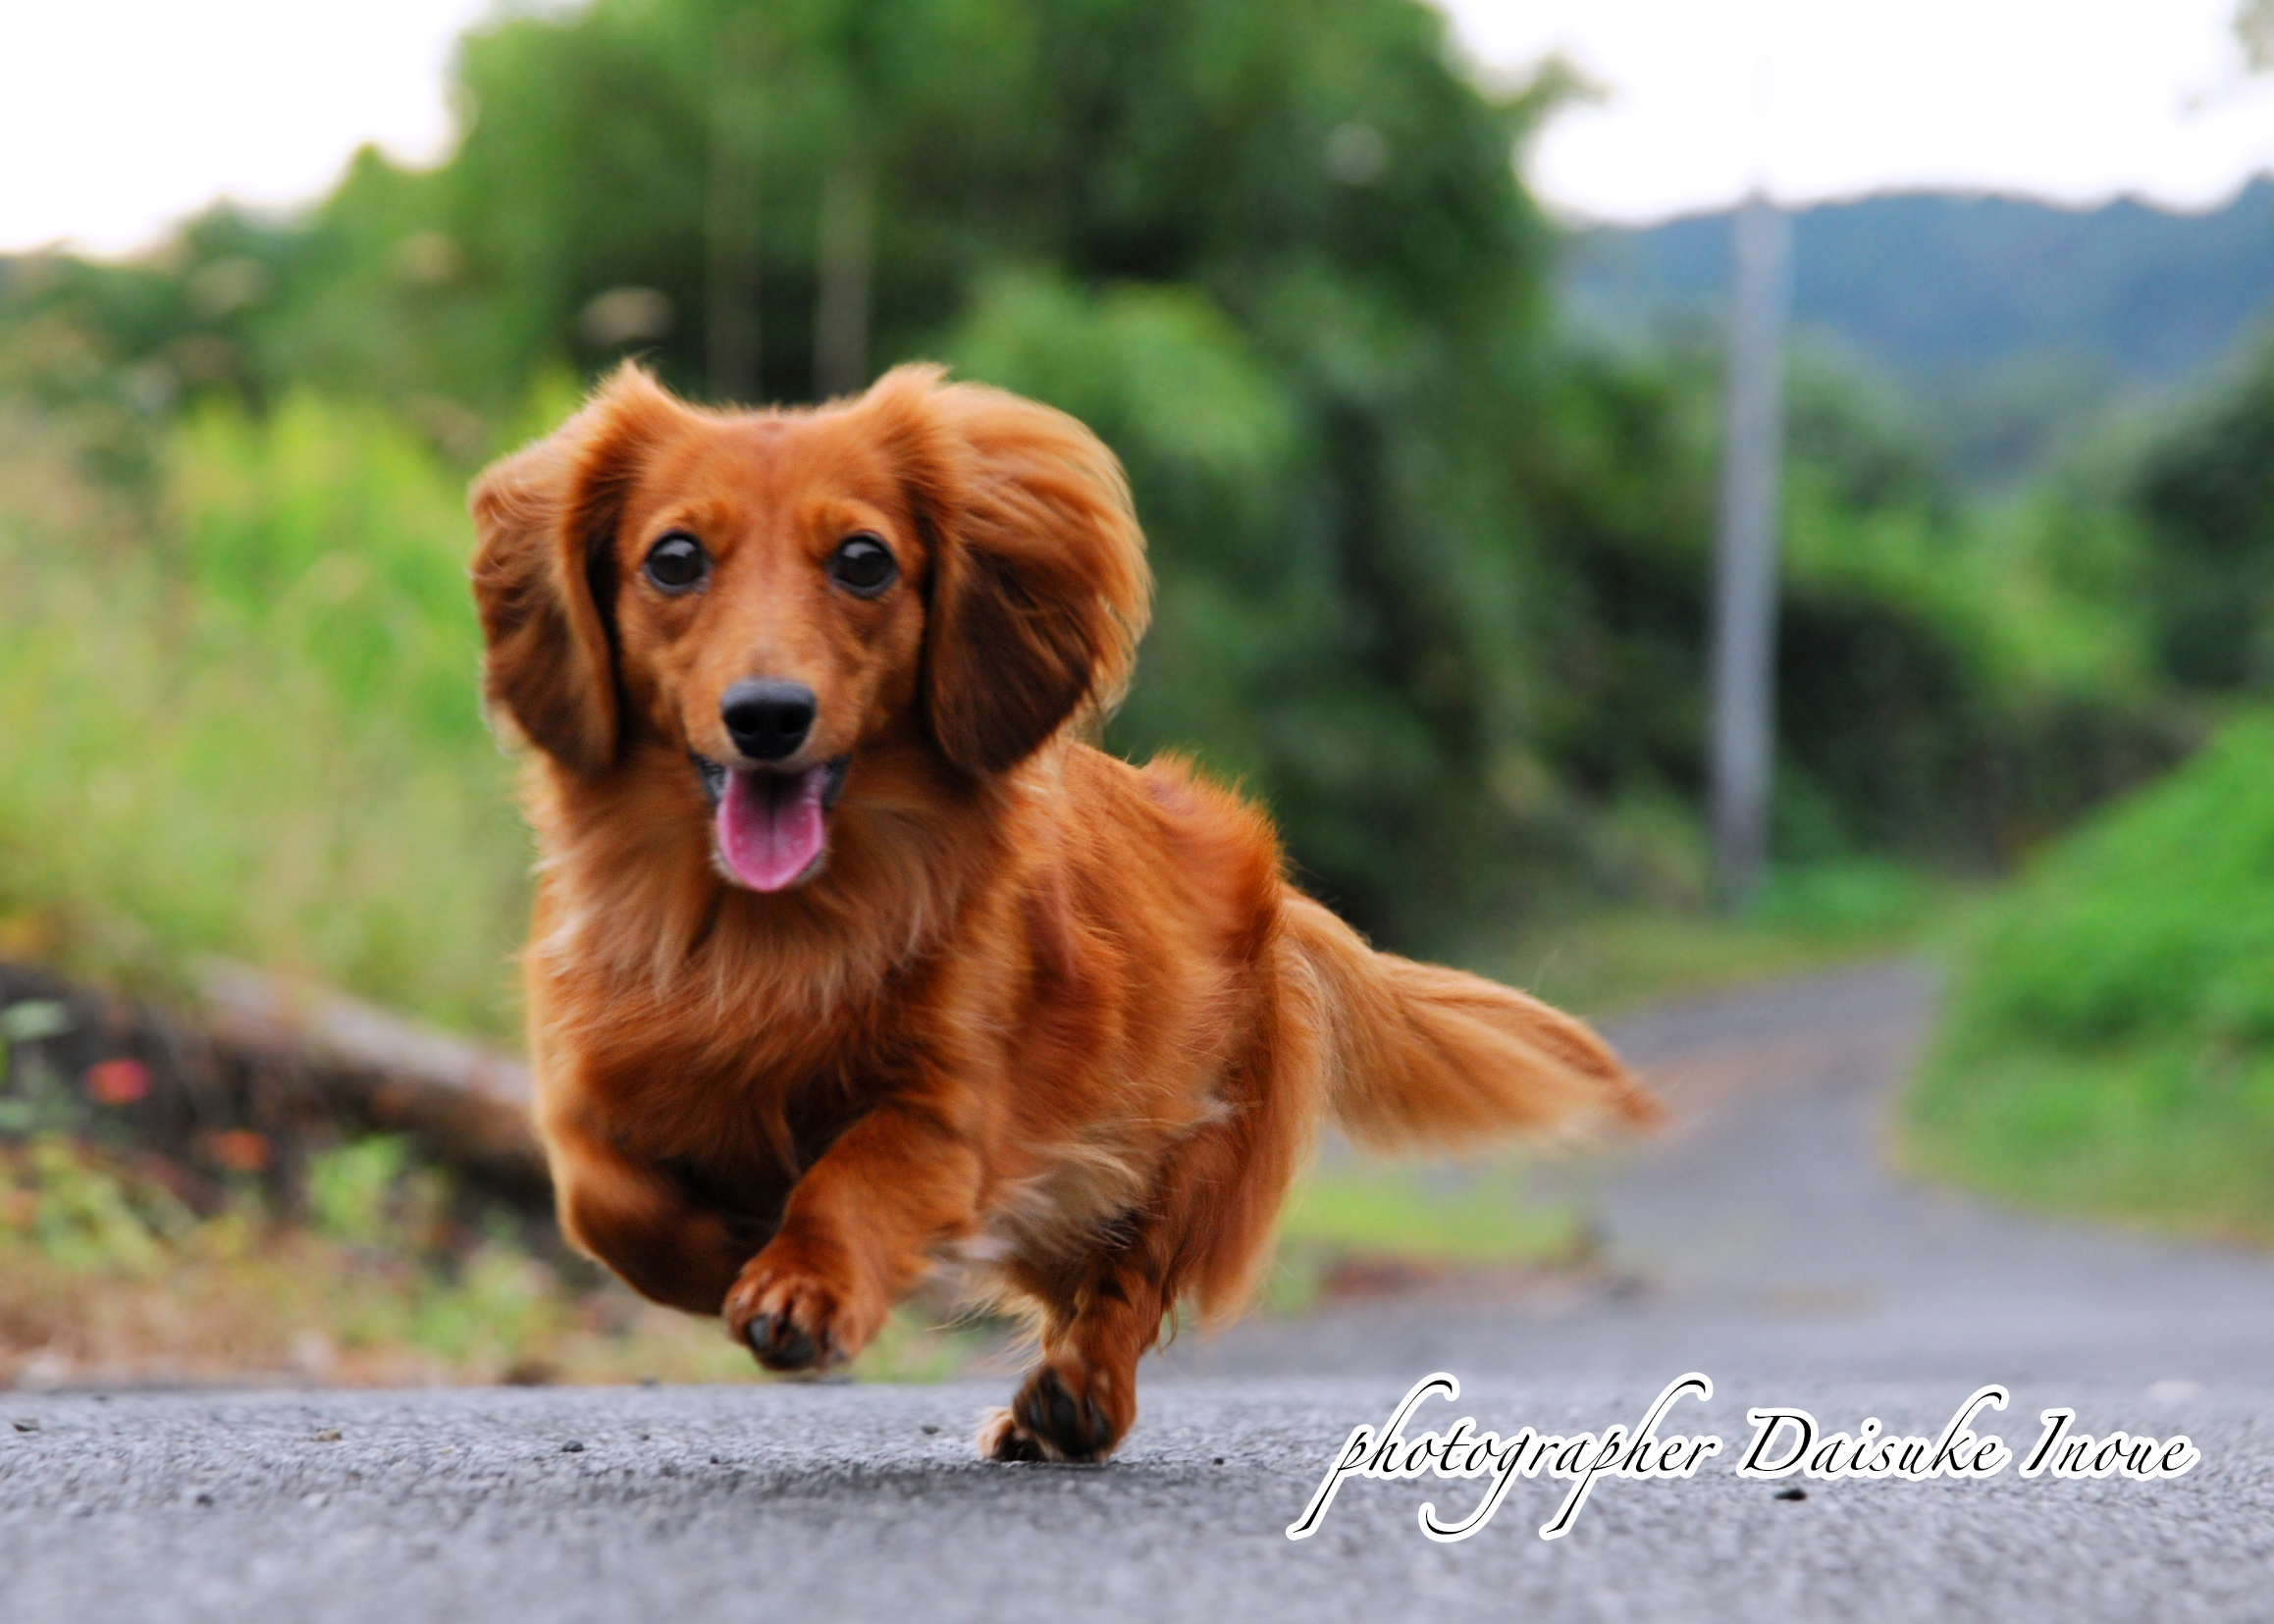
(933,567)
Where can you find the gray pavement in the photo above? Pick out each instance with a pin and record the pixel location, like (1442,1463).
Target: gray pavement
(1763,1242)
(1769,1237)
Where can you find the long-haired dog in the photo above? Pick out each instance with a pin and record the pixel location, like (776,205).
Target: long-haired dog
(850,955)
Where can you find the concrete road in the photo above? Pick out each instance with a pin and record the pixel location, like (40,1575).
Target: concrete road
(1763,1243)
(1767,1236)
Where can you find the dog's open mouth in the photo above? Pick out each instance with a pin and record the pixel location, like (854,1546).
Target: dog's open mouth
(771,826)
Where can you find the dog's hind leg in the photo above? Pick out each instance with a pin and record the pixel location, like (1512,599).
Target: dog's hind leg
(1080,1400)
(1204,1231)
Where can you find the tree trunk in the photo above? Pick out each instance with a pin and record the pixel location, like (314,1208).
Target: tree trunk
(730,219)
(841,302)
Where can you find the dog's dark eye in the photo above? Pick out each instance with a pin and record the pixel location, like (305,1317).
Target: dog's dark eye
(677,562)
(863,564)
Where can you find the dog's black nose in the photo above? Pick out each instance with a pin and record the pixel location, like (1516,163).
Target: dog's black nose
(767,718)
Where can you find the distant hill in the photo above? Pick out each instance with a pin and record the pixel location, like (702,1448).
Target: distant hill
(2019,317)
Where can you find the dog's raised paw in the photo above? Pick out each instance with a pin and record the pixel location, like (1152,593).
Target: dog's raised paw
(794,1321)
(780,1342)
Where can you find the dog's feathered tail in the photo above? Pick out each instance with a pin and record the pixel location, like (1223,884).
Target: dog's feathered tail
(1417,1056)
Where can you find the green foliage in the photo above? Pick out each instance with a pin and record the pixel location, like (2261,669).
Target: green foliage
(1955,679)
(82,1214)
(2207,496)
(1279,254)
(351,1190)
(103,1267)
(2110,1043)
(1943,690)
(257,734)
(1263,655)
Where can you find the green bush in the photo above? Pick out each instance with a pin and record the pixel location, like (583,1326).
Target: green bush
(2205,492)
(1958,677)
(253,731)
(2110,1041)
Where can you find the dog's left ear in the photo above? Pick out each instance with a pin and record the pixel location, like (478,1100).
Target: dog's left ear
(1039,591)
(547,518)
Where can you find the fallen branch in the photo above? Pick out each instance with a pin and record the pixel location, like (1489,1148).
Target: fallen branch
(467,1104)
(263,1065)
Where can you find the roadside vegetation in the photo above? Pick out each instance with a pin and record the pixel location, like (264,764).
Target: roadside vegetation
(2110,1043)
(124,1269)
(237,714)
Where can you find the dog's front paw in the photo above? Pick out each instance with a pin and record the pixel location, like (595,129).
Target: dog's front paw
(793,1319)
(1064,1411)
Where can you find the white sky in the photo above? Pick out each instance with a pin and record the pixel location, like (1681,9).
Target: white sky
(120,116)
(2072,100)
(117,117)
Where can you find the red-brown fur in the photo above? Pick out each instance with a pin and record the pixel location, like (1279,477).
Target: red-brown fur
(1042,1013)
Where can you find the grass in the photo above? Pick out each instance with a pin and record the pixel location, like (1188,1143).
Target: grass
(390,1277)
(1355,1226)
(2110,1044)
(1806,918)
(243,720)
(1429,1210)
(108,1276)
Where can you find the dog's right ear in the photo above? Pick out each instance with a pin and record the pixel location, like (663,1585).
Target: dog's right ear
(1038,590)
(546,518)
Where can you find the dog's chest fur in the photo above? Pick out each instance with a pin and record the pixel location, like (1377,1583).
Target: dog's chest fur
(736,1076)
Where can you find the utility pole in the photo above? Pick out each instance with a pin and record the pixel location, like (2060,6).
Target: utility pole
(1744,625)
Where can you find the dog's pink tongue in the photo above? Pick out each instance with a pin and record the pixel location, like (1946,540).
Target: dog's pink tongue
(769,827)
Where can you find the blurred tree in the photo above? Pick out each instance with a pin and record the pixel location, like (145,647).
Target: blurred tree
(2206,492)
(1297,225)
(1952,684)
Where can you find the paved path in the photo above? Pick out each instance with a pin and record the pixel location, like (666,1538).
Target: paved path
(1771,1239)
(1772,1251)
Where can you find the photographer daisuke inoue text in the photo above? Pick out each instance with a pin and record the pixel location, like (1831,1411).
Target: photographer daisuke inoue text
(1785,1440)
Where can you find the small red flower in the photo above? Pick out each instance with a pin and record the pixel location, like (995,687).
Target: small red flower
(117,1082)
(239,1149)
